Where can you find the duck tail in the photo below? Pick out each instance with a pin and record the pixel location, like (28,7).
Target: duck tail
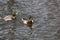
(22,19)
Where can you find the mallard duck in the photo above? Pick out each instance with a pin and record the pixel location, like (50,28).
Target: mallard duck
(10,17)
(28,22)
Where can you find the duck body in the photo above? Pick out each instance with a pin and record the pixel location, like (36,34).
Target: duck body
(28,23)
(9,18)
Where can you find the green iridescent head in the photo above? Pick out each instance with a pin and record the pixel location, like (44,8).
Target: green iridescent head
(14,14)
(30,17)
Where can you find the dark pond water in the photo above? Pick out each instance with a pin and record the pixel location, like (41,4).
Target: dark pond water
(46,14)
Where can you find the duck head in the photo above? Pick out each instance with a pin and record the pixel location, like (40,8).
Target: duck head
(14,14)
